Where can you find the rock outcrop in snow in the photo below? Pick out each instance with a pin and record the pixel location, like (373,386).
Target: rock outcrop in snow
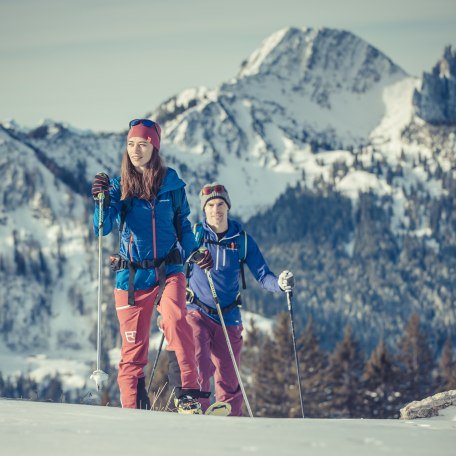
(435,102)
(430,406)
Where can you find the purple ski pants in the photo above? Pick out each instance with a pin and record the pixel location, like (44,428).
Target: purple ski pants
(213,359)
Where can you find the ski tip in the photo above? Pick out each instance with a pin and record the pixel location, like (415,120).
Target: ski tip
(219,409)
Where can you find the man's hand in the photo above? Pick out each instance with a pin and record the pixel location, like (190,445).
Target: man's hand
(286,281)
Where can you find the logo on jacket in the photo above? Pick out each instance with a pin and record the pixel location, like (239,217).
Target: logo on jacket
(130,336)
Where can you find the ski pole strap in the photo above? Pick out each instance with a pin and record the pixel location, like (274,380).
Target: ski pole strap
(212,311)
(118,263)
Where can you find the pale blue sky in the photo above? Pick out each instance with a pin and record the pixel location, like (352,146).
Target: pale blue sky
(97,63)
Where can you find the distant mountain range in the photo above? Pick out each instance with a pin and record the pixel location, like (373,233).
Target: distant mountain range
(333,155)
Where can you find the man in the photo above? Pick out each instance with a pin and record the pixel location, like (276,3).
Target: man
(229,246)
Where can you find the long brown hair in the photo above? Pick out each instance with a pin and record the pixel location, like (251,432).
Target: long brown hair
(142,185)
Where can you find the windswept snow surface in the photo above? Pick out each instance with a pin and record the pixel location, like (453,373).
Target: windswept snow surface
(42,429)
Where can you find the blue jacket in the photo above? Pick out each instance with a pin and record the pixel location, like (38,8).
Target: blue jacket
(149,232)
(226,271)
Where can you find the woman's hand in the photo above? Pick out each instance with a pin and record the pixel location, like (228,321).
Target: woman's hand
(202,257)
(101,185)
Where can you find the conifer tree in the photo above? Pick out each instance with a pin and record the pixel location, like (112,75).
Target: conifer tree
(416,363)
(52,391)
(381,376)
(2,385)
(446,379)
(274,377)
(253,347)
(344,378)
(312,363)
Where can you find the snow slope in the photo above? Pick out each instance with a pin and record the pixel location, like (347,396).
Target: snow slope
(44,429)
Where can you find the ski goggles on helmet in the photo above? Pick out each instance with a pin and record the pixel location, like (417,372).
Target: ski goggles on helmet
(146,122)
(213,188)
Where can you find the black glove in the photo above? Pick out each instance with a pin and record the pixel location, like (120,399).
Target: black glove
(202,257)
(101,185)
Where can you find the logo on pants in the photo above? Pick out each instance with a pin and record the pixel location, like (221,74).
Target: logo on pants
(130,336)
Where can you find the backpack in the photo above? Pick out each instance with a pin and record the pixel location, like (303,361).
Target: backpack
(241,248)
(176,198)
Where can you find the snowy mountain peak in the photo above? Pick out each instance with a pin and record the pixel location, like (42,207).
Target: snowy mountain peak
(303,54)
(270,49)
(303,89)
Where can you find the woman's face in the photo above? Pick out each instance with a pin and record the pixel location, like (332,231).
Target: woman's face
(140,151)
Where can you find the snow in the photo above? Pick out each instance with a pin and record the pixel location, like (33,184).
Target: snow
(263,324)
(397,99)
(42,429)
(259,55)
(361,181)
(71,366)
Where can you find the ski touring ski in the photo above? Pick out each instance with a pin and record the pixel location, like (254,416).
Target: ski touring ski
(219,408)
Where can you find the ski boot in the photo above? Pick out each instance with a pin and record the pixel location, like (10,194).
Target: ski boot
(188,405)
(142,398)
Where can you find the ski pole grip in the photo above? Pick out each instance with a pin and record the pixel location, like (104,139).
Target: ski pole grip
(101,197)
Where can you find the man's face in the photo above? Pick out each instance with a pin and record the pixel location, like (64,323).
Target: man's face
(216,211)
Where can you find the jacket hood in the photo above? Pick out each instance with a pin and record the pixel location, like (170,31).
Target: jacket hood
(171,182)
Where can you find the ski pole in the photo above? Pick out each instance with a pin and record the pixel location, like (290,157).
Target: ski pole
(98,375)
(290,309)
(230,348)
(156,362)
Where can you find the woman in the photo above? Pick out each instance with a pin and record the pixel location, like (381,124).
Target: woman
(149,204)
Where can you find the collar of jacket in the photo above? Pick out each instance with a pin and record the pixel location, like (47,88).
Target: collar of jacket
(234,228)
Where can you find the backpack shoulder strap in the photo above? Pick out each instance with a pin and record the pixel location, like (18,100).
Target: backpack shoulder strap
(242,253)
(242,246)
(198,231)
(176,197)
